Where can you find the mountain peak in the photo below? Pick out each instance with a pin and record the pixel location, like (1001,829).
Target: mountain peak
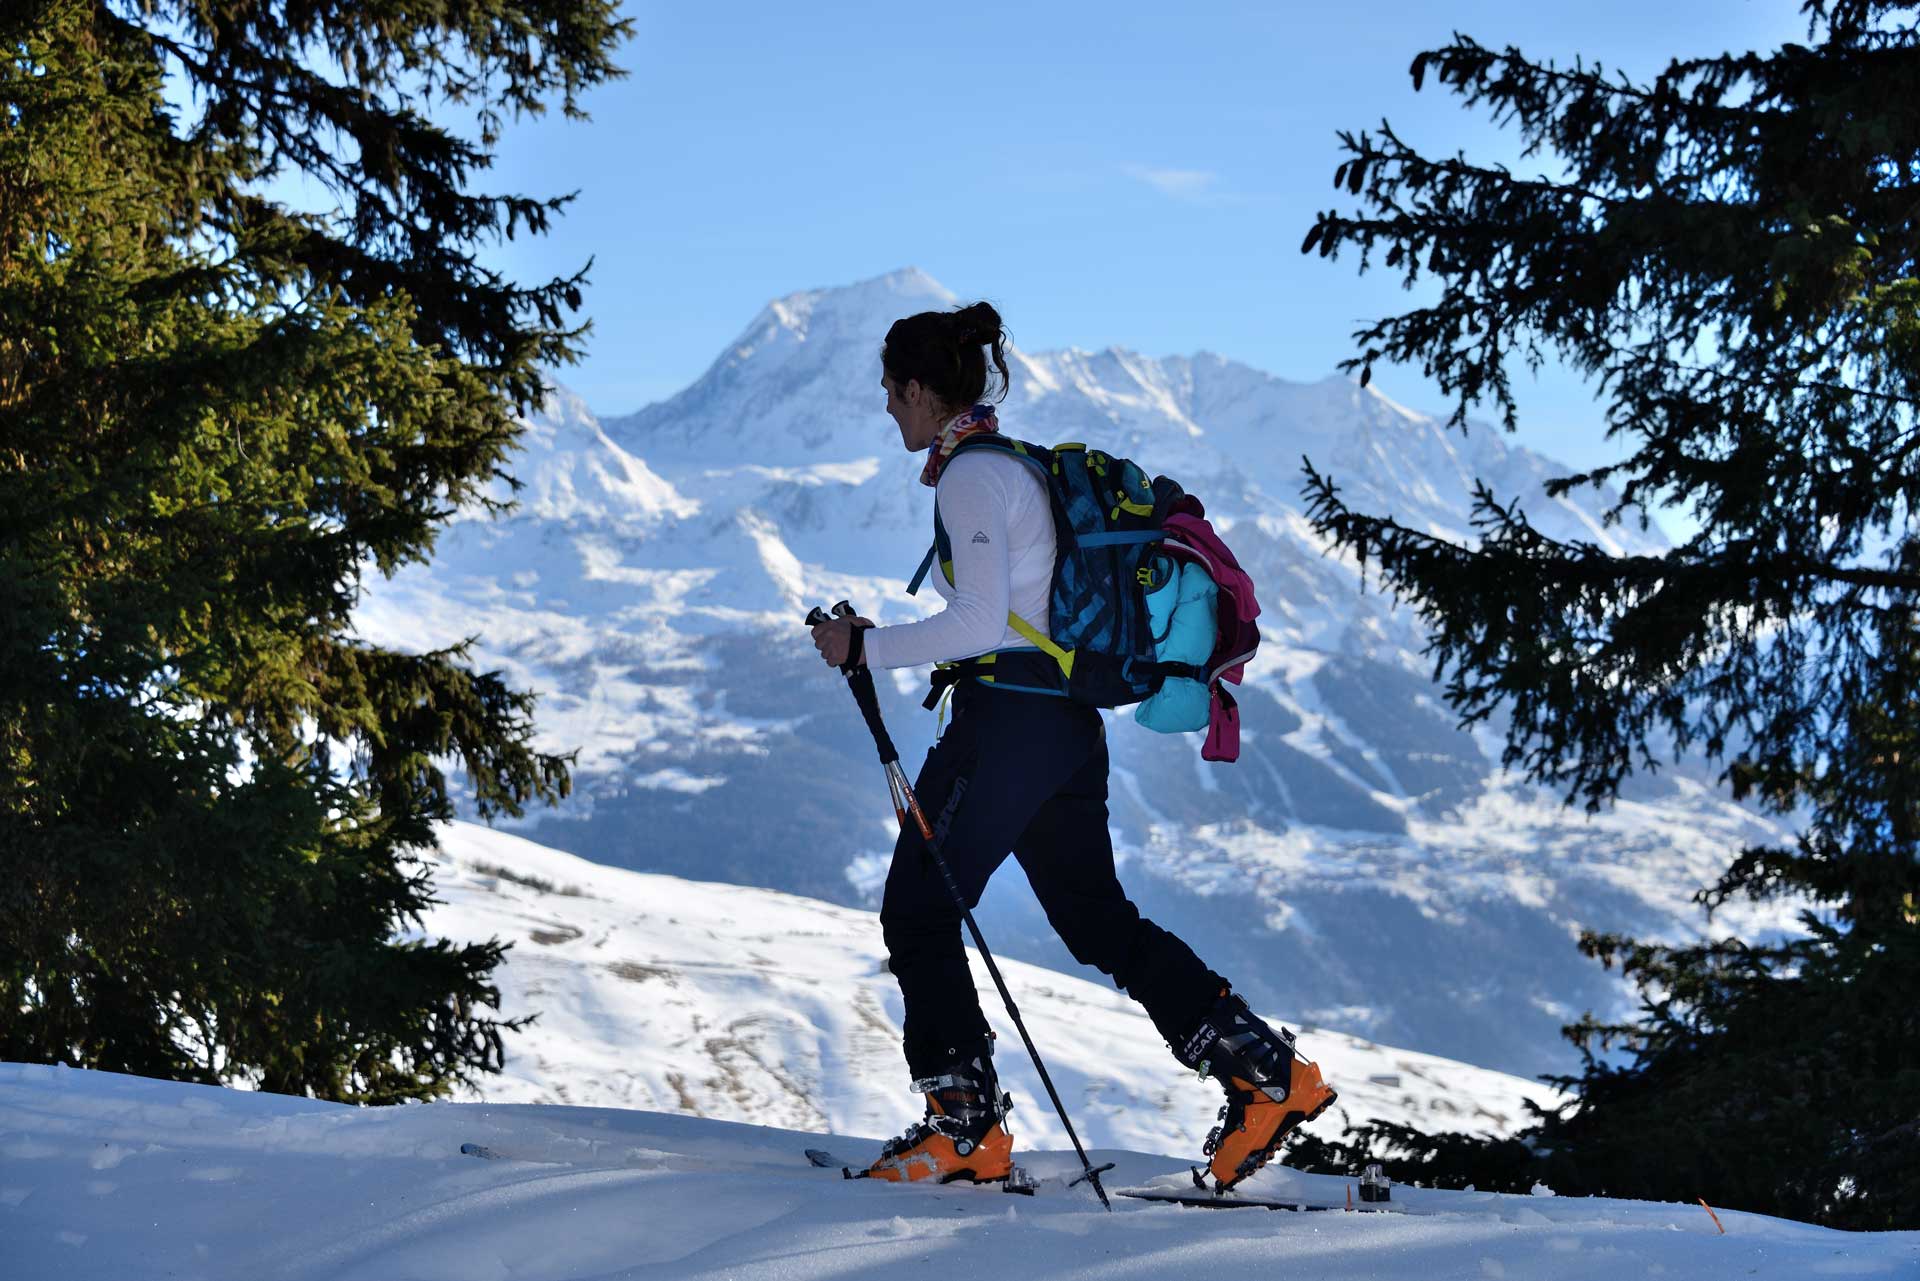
(910,281)
(827,339)
(867,306)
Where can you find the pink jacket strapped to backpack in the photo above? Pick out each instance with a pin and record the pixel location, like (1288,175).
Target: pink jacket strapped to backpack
(1190,535)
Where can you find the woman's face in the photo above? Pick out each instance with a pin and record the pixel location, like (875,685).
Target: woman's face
(913,412)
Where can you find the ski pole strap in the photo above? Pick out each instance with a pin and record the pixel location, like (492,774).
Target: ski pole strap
(856,646)
(860,681)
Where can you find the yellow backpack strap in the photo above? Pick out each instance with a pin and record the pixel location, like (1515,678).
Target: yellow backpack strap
(1043,643)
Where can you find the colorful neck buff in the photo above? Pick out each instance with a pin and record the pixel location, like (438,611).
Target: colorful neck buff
(974,422)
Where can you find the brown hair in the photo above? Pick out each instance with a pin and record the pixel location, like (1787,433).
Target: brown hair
(941,350)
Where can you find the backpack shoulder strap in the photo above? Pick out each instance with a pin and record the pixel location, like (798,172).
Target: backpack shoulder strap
(1033,454)
(1038,456)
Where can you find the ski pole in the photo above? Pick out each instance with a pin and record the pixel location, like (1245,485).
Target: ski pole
(860,681)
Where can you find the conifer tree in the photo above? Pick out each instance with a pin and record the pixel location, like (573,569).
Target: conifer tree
(1731,253)
(217,414)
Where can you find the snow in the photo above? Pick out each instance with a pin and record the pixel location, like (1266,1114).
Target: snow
(667,994)
(213,1184)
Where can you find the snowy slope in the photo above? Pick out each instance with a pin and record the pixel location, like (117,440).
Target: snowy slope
(1366,863)
(115,1178)
(750,1005)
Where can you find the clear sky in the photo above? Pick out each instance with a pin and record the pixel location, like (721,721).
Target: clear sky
(1113,174)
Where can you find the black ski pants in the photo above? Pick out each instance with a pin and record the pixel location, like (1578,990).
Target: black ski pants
(1024,774)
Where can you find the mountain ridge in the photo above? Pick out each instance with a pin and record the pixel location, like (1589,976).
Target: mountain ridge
(867,308)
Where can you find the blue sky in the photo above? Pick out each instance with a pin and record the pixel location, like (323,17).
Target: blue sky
(1119,174)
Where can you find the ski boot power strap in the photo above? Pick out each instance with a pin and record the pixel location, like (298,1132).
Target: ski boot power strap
(1232,1041)
(1270,1089)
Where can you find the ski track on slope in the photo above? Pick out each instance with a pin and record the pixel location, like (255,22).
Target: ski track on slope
(312,1190)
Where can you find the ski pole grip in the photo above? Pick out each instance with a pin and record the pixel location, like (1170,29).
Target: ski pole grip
(855,642)
(860,681)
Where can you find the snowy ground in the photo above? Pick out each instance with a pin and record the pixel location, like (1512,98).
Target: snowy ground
(670,995)
(117,1178)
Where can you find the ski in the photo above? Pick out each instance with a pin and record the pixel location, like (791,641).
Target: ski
(1211,1201)
(480,1150)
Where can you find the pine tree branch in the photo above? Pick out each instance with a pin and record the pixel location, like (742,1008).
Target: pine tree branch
(1574,563)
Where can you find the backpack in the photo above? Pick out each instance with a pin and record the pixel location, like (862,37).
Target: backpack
(1129,562)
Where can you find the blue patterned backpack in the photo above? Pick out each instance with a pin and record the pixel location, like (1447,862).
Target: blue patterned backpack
(1107,524)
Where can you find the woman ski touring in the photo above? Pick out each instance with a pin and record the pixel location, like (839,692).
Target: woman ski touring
(1022,769)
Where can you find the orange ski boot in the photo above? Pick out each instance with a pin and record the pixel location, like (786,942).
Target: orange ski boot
(1271,1090)
(963,1136)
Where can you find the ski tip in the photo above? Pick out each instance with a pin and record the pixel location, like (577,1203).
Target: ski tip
(822,1159)
(477,1149)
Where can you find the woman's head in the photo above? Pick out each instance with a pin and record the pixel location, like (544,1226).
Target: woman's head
(933,366)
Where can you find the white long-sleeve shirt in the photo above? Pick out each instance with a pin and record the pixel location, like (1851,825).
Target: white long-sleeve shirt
(998,520)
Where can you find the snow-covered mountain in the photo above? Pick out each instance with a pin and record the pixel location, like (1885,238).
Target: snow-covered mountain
(111,1178)
(1365,865)
(668,995)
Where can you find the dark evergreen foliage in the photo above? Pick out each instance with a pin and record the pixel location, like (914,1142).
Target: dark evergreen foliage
(1732,253)
(216,414)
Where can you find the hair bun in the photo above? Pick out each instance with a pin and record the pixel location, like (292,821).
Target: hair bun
(978,324)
